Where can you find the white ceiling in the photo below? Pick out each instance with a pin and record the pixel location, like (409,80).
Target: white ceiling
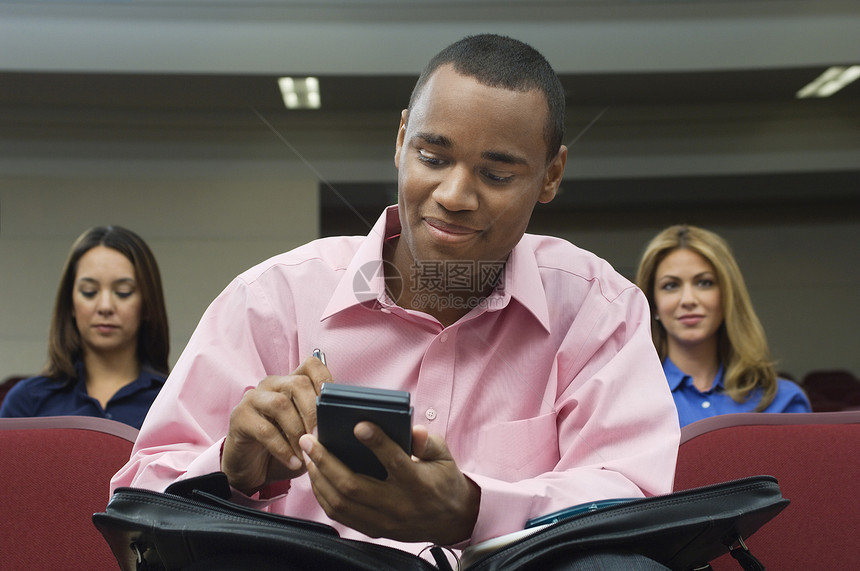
(396,36)
(657,89)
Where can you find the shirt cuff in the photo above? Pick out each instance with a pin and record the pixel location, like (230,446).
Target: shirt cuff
(501,512)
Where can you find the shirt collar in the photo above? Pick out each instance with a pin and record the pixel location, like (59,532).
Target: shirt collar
(676,376)
(147,377)
(363,282)
(523,283)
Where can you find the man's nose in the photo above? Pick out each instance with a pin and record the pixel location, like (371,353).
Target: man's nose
(457,190)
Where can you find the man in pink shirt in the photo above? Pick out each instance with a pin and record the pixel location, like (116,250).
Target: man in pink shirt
(533,377)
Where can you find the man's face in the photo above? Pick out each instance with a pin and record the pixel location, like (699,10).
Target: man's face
(471,165)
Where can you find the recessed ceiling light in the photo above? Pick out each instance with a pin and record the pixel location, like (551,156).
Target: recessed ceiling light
(829,82)
(300,92)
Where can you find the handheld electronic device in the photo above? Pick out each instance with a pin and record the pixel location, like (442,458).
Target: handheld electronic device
(340,407)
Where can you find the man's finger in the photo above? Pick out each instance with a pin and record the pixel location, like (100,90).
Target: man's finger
(315,371)
(389,453)
(433,450)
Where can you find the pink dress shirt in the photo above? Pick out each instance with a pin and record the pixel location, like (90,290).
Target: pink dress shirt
(549,393)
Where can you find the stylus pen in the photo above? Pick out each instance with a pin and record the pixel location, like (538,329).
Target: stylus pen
(319,355)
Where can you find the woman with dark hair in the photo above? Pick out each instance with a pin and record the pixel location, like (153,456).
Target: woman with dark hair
(109,341)
(712,344)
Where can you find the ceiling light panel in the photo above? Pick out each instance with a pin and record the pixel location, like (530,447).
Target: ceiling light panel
(832,80)
(300,92)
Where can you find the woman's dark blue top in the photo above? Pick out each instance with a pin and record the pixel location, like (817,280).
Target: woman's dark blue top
(45,396)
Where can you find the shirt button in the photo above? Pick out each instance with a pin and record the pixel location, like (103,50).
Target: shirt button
(444,337)
(430,414)
(706,404)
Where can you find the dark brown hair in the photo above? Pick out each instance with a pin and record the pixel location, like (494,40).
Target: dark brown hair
(153,339)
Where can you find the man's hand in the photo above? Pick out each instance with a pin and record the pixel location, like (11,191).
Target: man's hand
(423,499)
(262,444)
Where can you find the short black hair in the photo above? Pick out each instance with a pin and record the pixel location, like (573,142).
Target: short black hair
(500,61)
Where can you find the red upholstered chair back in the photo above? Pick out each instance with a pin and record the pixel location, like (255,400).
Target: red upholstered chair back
(831,390)
(816,460)
(55,473)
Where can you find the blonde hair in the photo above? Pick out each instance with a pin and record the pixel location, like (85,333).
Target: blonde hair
(742,344)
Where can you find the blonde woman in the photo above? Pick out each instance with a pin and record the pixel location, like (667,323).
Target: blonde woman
(712,345)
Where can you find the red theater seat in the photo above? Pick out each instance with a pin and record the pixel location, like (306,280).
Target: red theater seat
(831,390)
(55,473)
(815,458)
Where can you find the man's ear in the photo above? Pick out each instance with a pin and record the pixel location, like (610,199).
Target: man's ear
(554,174)
(401,137)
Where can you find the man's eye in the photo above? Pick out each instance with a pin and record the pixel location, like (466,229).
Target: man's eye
(429,159)
(498,178)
